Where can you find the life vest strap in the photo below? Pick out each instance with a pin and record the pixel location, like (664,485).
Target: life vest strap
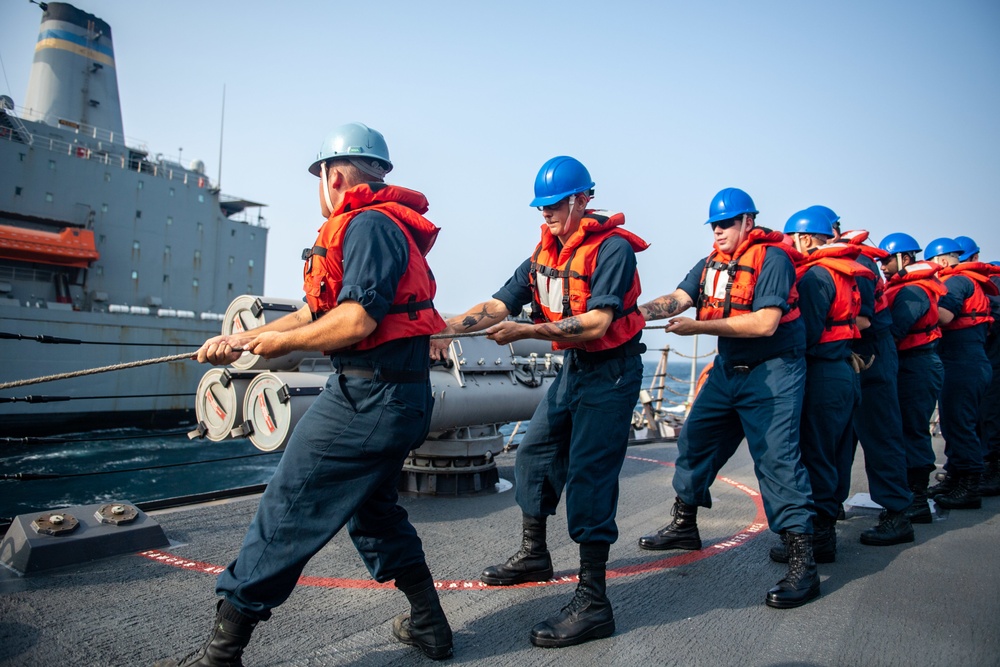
(411,307)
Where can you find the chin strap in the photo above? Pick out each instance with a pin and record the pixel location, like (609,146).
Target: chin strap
(326,187)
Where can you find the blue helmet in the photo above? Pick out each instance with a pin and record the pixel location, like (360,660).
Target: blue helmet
(729,203)
(809,221)
(559,178)
(969,247)
(826,211)
(353,140)
(942,246)
(899,242)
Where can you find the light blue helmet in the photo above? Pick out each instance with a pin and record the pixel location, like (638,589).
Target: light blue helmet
(354,140)
(809,221)
(826,212)
(969,247)
(899,242)
(559,178)
(942,246)
(729,203)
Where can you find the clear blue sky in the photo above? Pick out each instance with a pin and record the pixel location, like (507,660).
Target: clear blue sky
(880,110)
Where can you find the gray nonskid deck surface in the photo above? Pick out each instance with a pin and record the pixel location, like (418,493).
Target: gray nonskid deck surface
(936,602)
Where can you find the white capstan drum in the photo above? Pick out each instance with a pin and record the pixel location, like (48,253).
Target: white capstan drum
(274,403)
(219,401)
(248,312)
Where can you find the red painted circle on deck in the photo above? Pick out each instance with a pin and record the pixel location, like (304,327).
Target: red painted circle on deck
(752,530)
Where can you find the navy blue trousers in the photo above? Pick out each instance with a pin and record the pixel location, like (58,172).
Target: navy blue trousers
(878,425)
(576,441)
(989,410)
(921,375)
(763,405)
(832,394)
(967,374)
(341,466)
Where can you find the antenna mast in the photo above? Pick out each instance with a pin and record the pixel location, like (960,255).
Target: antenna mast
(222,125)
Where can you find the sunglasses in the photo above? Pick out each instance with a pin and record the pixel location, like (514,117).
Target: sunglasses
(726,224)
(552,207)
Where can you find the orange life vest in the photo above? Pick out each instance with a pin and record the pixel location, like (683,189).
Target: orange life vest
(560,279)
(412,311)
(976,308)
(839,259)
(858,237)
(923,275)
(728,281)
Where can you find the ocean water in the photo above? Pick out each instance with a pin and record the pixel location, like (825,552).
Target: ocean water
(141,466)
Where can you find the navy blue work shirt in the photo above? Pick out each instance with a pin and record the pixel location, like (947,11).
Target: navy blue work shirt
(960,288)
(777,276)
(910,304)
(376,255)
(817,292)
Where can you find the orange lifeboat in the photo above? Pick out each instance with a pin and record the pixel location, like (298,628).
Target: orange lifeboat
(68,247)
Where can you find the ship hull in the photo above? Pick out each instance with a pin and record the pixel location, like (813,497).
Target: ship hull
(153,396)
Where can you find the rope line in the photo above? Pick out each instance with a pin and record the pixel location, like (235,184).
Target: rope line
(182,356)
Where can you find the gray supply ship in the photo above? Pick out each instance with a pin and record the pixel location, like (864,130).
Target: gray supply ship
(111,253)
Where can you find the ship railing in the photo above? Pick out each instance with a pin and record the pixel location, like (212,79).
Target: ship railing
(108,151)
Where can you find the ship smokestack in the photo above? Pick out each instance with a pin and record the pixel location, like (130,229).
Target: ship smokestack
(73,77)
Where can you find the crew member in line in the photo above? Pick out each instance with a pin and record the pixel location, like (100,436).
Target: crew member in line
(989,412)
(829,300)
(368,292)
(877,421)
(913,292)
(744,292)
(964,314)
(582,284)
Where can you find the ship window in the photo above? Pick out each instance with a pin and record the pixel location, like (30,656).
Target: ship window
(252,236)
(135,275)
(17,190)
(102,238)
(107,177)
(99,269)
(201,198)
(138,213)
(200,227)
(166,278)
(166,251)
(52,165)
(250,263)
(231,260)
(232,232)
(140,185)
(48,196)
(21,156)
(104,208)
(171,192)
(194,282)
(170,220)
(230,286)
(135,245)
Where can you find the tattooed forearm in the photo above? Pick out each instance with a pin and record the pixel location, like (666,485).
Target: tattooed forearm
(473,319)
(657,309)
(567,328)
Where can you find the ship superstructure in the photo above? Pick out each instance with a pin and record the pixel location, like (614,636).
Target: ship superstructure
(101,242)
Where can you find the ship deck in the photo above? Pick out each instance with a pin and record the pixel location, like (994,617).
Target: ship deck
(934,602)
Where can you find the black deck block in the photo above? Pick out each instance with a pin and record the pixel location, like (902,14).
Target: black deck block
(79,534)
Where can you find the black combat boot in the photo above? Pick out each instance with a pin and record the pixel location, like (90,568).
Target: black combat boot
(589,614)
(989,485)
(224,648)
(801,583)
(531,563)
(680,533)
(918,511)
(964,495)
(892,528)
(824,542)
(946,482)
(425,626)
